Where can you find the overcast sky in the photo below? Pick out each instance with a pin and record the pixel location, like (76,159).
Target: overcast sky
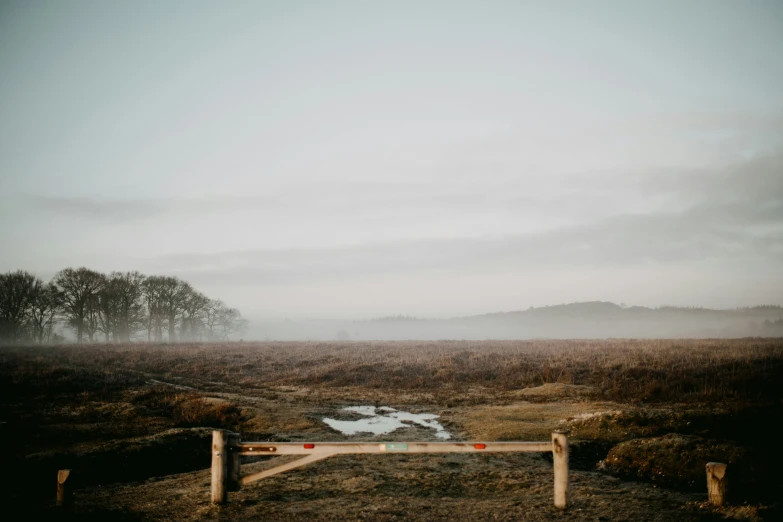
(357,159)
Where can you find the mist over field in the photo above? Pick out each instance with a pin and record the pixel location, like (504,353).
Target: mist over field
(592,320)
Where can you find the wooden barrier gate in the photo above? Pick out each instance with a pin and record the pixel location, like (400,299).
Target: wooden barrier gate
(227,448)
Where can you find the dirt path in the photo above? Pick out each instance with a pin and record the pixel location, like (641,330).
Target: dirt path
(448,487)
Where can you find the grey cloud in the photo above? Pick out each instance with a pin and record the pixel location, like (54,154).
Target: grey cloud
(757,179)
(731,213)
(556,201)
(703,233)
(131,209)
(369,201)
(92,208)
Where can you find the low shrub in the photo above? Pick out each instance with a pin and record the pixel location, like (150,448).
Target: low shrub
(189,410)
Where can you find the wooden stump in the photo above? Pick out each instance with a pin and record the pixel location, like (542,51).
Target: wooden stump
(560,459)
(220,459)
(233,464)
(717,482)
(64,490)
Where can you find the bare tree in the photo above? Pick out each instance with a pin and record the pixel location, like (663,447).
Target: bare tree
(128,287)
(43,311)
(122,306)
(17,291)
(194,309)
(165,298)
(107,312)
(174,297)
(212,312)
(79,290)
(230,321)
(152,290)
(92,317)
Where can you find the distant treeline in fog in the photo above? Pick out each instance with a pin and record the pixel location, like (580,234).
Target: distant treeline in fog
(115,307)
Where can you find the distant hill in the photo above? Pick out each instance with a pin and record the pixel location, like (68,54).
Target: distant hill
(593,319)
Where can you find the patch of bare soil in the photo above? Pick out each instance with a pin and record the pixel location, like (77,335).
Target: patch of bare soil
(523,420)
(559,390)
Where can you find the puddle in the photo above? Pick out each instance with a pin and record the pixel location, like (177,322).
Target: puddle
(383,420)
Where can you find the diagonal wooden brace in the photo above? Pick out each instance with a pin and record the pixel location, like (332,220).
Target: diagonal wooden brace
(284,467)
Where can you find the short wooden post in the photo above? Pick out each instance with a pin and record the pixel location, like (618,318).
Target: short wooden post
(560,459)
(64,490)
(220,459)
(717,482)
(233,464)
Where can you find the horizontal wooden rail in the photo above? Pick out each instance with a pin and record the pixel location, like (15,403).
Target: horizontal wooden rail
(227,448)
(335,448)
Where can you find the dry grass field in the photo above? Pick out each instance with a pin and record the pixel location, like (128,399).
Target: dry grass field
(133,422)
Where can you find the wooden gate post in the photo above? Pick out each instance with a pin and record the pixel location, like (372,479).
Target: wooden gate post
(717,482)
(220,459)
(560,460)
(64,490)
(234,440)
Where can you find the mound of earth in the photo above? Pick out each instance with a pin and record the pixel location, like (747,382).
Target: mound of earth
(558,389)
(169,440)
(677,460)
(172,451)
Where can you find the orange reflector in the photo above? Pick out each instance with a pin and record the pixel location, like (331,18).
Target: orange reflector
(309,446)
(480,446)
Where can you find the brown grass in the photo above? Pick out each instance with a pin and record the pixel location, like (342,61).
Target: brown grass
(622,369)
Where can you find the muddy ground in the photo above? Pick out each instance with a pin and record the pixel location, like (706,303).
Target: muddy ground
(139,447)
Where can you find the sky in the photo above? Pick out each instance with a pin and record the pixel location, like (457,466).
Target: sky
(354,159)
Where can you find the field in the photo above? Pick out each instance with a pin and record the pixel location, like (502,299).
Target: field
(133,421)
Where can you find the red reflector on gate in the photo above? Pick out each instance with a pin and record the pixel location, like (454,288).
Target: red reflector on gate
(309,446)
(480,446)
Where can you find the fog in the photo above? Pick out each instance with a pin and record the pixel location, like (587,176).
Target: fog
(587,320)
(332,163)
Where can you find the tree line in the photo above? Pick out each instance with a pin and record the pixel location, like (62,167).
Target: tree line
(115,307)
